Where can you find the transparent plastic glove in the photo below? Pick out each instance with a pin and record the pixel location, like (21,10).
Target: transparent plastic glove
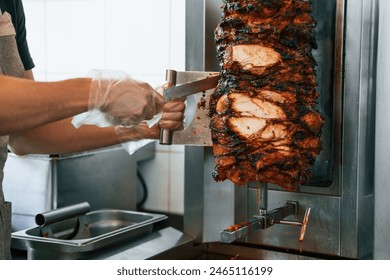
(139,132)
(133,138)
(172,118)
(123,100)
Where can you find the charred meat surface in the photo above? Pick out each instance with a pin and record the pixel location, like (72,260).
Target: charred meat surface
(265,123)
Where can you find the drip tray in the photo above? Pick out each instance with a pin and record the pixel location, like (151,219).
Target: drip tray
(83,235)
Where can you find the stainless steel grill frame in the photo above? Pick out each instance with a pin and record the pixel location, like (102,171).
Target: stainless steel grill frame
(341,223)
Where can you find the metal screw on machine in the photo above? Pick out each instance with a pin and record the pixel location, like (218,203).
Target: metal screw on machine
(302,224)
(266,219)
(274,220)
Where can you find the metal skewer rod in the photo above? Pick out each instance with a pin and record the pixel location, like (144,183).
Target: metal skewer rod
(286,222)
(263,199)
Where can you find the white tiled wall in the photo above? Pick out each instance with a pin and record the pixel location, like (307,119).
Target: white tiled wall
(68,38)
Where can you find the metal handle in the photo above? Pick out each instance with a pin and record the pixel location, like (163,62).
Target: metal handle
(267,219)
(60,214)
(304,224)
(166,134)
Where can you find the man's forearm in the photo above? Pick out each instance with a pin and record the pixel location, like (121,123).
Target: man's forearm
(61,138)
(25,104)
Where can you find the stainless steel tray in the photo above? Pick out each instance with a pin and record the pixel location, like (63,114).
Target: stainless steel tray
(101,229)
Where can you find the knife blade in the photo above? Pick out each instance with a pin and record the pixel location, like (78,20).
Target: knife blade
(184,90)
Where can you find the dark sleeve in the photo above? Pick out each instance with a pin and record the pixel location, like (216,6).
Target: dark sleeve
(21,36)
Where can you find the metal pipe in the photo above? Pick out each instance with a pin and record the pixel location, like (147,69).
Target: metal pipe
(263,199)
(166,134)
(288,223)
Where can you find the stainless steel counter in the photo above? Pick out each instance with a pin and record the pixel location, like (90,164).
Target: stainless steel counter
(142,248)
(146,247)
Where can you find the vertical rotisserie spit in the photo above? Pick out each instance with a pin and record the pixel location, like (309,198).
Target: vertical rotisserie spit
(265,123)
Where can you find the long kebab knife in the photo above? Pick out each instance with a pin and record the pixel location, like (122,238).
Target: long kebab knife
(184,84)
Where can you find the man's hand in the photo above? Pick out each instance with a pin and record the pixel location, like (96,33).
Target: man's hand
(125,101)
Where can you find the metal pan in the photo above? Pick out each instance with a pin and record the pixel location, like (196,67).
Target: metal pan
(102,228)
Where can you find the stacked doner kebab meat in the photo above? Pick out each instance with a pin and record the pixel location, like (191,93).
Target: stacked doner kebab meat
(265,123)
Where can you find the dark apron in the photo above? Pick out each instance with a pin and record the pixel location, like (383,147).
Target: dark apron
(10,65)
